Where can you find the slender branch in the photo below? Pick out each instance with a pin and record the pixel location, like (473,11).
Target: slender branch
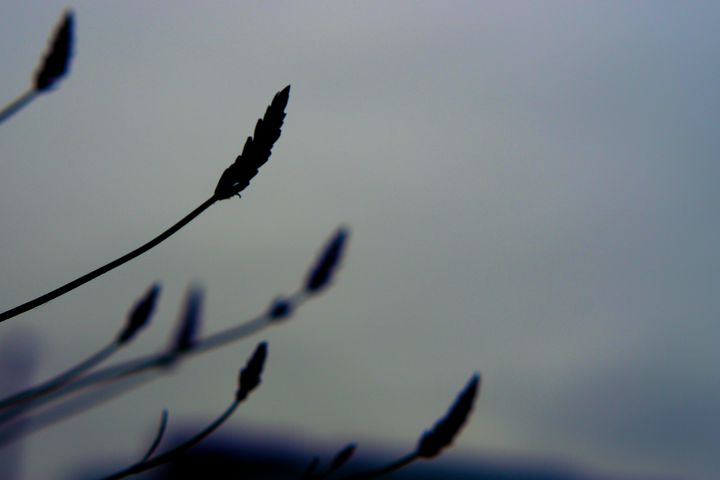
(18,104)
(161,360)
(279,311)
(137,319)
(170,454)
(60,380)
(68,287)
(203,345)
(153,363)
(158,437)
(249,379)
(28,425)
(233,180)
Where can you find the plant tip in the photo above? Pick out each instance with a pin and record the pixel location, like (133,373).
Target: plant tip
(446,429)
(250,375)
(322,272)
(190,321)
(342,457)
(256,151)
(140,314)
(57,58)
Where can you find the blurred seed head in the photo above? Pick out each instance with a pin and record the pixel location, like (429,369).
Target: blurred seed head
(189,324)
(140,314)
(443,433)
(342,457)
(328,262)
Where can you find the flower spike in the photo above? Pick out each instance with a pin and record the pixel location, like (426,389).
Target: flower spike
(57,59)
(257,149)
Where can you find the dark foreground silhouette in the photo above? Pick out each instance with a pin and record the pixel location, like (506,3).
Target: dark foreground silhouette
(255,457)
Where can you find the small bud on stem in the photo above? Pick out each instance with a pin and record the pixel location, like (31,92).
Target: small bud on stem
(250,375)
(140,314)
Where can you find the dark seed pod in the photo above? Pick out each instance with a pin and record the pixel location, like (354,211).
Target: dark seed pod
(322,272)
(189,322)
(250,375)
(140,314)
(342,457)
(445,430)
(57,59)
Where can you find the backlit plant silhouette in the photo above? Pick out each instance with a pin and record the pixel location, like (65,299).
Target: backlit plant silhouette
(83,385)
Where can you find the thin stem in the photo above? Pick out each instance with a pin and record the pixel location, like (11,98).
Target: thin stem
(72,407)
(62,379)
(163,359)
(396,465)
(106,268)
(172,453)
(158,437)
(158,362)
(16,105)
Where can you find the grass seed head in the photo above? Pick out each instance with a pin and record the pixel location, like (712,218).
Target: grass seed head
(446,429)
(140,314)
(250,375)
(57,58)
(327,264)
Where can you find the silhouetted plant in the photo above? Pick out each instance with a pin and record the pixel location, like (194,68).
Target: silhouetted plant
(57,60)
(341,458)
(85,385)
(233,180)
(189,324)
(138,318)
(321,275)
(158,437)
(248,381)
(185,344)
(53,68)
(441,436)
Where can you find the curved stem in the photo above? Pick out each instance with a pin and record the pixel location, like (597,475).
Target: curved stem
(106,268)
(158,437)
(163,359)
(16,105)
(170,454)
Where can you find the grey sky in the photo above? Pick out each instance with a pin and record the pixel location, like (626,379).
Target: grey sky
(531,188)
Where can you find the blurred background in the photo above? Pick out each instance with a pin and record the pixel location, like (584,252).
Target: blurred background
(532,189)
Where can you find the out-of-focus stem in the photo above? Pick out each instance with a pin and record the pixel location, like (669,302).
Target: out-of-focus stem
(18,104)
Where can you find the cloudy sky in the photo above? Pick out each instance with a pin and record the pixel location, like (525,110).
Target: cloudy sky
(531,189)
